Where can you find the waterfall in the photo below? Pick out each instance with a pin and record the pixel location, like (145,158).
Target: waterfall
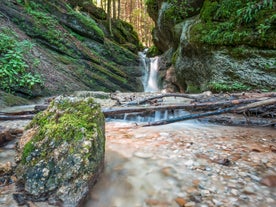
(152,83)
(150,78)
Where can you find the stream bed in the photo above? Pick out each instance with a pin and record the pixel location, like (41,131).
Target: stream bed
(186,164)
(181,164)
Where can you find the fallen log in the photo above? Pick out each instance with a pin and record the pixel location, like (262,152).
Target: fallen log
(266,102)
(252,103)
(193,106)
(234,109)
(17,117)
(142,101)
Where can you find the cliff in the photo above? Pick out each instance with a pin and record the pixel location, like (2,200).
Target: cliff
(55,46)
(217,45)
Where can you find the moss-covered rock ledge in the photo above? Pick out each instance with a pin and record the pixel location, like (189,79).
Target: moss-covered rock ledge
(62,152)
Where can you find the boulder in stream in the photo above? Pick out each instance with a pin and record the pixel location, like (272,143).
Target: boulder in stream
(62,152)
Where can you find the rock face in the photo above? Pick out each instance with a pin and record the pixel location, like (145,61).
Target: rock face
(70,47)
(62,152)
(216,45)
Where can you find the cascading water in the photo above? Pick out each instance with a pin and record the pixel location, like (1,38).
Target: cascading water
(150,78)
(152,83)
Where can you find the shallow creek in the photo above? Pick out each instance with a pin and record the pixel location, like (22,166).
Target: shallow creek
(181,164)
(187,162)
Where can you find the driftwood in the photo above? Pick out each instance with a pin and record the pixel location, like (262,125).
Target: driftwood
(266,102)
(217,112)
(193,106)
(182,95)
(16,117)
(213,108)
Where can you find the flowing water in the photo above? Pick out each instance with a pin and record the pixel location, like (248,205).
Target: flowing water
(150,78)
(181,164)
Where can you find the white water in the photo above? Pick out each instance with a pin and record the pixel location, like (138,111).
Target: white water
(152,83)
(150,78)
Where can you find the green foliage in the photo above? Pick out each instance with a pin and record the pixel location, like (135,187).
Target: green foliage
(209,10)
(13,67)
(153,51)
(228,87)
(178,10)
(152,5)
(232,22)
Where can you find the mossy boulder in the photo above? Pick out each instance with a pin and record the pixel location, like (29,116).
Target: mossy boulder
(62,152)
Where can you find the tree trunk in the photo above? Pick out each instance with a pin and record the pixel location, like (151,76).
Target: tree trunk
(109,17)
(114,9)
(119,9)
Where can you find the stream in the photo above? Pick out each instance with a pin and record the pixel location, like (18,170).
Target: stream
(188,163)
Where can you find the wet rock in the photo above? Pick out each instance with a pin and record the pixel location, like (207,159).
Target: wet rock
(225,162)
(249,190)
(168,171)
(269,181)
(190,204)
(5,168)
(181,201)
(8,134)
(144,155)
(20,199)
(154,202)
(62,153)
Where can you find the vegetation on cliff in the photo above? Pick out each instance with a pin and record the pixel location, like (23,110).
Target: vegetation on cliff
(238,22)
(217,45)
(68,45)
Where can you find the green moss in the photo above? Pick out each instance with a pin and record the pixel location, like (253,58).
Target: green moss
(7,99)
(175,56)
(153,51)
(90,23)
(28,149)
(193,88)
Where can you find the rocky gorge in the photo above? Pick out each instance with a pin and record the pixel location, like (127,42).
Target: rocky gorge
(215,45)
(191,163)
(67,45)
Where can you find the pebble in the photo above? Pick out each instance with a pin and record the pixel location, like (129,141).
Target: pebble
(249,190)
(143,155)
(181,201)
(190,204)
(235,192)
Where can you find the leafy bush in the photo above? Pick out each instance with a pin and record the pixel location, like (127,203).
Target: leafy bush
(234,22)
(13,73)
(227,87)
